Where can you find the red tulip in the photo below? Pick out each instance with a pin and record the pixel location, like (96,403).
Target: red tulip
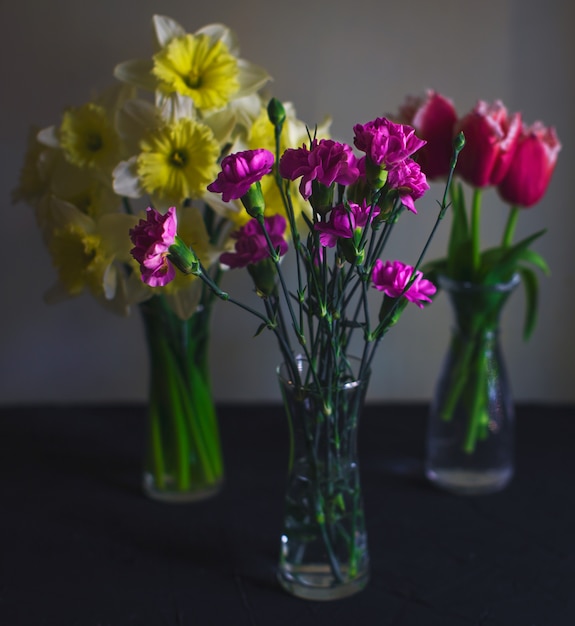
(532,166)
(490,141)
(433,118)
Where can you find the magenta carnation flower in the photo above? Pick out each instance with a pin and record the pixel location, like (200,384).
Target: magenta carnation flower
(407,178)
(251,245)
(386,143)
(327,162)
(152,239)
(240,171)
(342,222)
(393,277)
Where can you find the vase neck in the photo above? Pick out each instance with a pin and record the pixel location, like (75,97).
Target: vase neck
(477,307)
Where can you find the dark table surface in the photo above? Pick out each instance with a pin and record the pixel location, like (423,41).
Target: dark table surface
(81,546)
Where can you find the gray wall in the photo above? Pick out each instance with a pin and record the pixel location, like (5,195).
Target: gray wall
(355,61)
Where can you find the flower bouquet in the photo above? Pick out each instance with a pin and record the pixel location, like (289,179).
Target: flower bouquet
(326,330)
(470,440)
(155,138)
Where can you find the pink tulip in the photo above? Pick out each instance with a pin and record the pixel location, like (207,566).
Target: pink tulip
(433,118)
(532,166)
(490,141)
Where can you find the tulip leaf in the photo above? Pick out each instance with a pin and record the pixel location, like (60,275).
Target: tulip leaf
(531,286)
(499,262)
(534,258)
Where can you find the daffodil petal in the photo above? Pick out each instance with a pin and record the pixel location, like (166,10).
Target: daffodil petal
(126,180)
(174,107)
(48,137)
(110,282)
(185,302)
(114,229)
(219,32)
(137,72)
(251,78)
(165,29)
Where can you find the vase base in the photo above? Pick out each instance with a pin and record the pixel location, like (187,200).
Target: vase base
(175,496)
(316,582)
(470,482)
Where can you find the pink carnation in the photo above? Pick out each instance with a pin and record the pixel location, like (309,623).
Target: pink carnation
(409,181)
(327,162)
(386,143)
(240,171)
(152,239)
(393,277)
(251,245)
(343,222)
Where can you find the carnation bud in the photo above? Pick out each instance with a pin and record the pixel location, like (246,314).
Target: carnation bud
(391,311)
(264,276)
(184,258)
(459,143)
(321,198)
(276,112)
(253,200)
(375,174)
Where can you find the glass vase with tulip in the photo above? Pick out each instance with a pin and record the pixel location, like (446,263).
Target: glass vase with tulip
(470,431)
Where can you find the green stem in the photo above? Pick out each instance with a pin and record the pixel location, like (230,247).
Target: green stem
(184,439)
(476,231)
(157,451)
(509,231)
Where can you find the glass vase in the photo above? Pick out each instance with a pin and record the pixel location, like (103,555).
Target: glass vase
(183,458)
(470,438)
(324,554)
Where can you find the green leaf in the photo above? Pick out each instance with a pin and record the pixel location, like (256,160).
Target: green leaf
(260,329)
(531,286)
(459,248)
(530,256)
(499,263)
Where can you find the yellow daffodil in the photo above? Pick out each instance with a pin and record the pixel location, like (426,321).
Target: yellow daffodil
(86,252)
(198,67)
(178,161)
(87,135)
(204,66)
(46,173)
